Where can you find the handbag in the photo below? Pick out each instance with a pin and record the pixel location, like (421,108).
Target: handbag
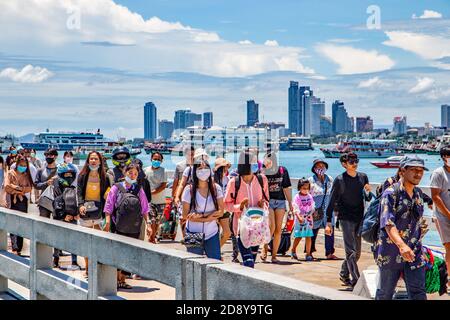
(92,210)
(46,198)
(196,239)
(319,212)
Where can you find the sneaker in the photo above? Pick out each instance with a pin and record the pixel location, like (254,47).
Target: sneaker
(345,281)
(74,267)
(235,260)
(309,258)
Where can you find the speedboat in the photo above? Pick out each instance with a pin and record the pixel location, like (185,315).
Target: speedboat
(389,163)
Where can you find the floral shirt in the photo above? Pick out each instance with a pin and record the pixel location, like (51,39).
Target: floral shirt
(398,209)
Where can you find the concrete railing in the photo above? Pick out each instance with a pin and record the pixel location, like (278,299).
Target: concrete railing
(193,276)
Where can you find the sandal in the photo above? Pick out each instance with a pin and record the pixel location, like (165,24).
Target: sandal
(123,285)
(263,255)
(294,256)
(332,257)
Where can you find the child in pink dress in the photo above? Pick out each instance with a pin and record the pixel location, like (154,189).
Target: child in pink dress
(304,207)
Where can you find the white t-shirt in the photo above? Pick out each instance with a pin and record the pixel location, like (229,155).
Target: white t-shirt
(210,228)
(156,178)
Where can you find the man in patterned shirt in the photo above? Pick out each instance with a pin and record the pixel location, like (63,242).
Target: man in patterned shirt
(399,248)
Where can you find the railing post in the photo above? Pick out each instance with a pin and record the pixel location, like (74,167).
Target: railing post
(40,258)
(3,246)
(102,280)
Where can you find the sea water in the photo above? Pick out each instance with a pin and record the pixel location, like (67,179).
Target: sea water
(299,163)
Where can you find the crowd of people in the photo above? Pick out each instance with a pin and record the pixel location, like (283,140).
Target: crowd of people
(212,201)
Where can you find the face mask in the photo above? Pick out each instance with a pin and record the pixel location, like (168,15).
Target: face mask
(14,152)
(32,155)
(21,169)
(255,167)
(93,168)
(67,181)
(320,171)
(203,174)
(68,160)
(50,160)
(156,163)
(129,180)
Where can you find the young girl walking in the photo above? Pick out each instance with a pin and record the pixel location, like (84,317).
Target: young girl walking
(304,207)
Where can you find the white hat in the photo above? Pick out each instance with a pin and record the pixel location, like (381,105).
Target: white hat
(200,154)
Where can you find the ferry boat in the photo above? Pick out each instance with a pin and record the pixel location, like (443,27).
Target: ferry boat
(66,141)
(389,163)
(294,143)
(6,142)
(364,148)
(82,153)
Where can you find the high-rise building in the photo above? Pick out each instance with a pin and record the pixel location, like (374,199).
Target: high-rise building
(341,122)
(208,119)
(252,113)
(400,126)
(294,110)
(326,126)
(304,110)
(193,119)
(364,124)
(180,119)
(317,111)
(150,120)
(445,116)
(166,128)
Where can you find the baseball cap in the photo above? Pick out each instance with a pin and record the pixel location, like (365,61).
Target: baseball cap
(413,162)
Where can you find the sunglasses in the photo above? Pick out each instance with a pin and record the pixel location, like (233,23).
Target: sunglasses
(353,161)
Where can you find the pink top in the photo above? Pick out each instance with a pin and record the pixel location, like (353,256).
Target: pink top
(305,204)
(252,191)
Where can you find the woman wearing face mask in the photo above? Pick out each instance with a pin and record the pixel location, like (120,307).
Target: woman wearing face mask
(279,190)
(127,215)
(202,202)
(46,177)
(11,158)
(157,177)
(18,183)
(37,163)
(249,189)
(92,191)
(321,185)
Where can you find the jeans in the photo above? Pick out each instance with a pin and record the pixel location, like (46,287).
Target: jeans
(352,244)
(211,248)
(248,254)
(329,242)
(414,279)
(17,241)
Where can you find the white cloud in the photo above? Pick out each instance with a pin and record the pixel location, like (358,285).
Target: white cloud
(271,43)
(341,40)
(426,46)
(153,45)
(245,42)
(370,83)
(423,84)
(28,74)
(428,14)
(352,60)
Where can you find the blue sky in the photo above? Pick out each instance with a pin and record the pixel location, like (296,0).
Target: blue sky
(84,64)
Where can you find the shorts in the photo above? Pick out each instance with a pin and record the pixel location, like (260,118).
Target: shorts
(277,204)
(156,212)
(226,215)
(89,223)
(444,227)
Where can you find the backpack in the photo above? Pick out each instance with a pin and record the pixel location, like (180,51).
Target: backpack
(370,226)
(65,202)
(237,186)
(128,211)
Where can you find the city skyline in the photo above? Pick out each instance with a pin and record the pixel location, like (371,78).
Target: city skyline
(133,52)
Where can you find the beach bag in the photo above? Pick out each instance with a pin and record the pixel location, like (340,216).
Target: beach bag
(195,239)
(128,213)
(254,227)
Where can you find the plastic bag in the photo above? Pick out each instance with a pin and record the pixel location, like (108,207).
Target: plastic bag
(254,227)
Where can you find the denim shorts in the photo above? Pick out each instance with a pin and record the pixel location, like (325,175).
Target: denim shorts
(277,204)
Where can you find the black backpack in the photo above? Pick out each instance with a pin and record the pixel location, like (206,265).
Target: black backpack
(370,227)
(65,202)
(128,210)
(237,186)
